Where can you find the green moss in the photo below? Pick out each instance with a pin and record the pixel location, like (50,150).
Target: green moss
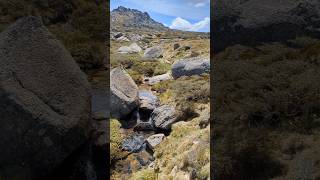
(161,68)
(116,138)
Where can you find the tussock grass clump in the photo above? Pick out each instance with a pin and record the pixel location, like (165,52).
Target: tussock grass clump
(146,174)
(116,138)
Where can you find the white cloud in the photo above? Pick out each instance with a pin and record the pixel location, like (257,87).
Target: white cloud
(199,4)
(182,24)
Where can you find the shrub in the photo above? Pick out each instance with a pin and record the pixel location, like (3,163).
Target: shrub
(116,138)
(146,174)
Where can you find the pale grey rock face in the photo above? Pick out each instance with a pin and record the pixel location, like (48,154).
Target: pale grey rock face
(136,38)
(44,101)
(124,96)
(156,79)
(133,48)
(123,38)
(154,140)
(153,53)
(251,22)
(190,66)
(148,101)
(124,50)
(163,117)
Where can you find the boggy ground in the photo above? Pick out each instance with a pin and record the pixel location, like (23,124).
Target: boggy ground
(266,111)
(184,153)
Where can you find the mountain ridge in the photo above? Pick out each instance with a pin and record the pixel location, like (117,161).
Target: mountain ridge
(126,18)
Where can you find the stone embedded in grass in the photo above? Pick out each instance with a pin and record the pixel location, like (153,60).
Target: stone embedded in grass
(133,48)
(124,93)
(124,50)
(123,38)
(135,37)
(163,117)
(134,143)
(154,140)
(190,66)
(117,35)
(156,79)
(153,53)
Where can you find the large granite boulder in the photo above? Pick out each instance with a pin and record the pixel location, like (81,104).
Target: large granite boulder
(133,48)
(148,101)
(163,117)
(250,22)
(153,53)
(44,102)
(190,66)
(124,97)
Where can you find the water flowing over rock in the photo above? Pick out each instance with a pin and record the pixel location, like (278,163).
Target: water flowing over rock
(252,22)
(163,117)
(39,82)
(153,53)
(190,66)
(134,143)
(124,96)
(154,140)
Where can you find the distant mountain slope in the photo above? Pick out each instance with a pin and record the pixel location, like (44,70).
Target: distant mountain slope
(126,18)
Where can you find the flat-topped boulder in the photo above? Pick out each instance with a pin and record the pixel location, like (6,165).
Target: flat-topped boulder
(124,97)
(44,102)
(148,101)
(133,48)
(153,53)
(190,66)
(159,78)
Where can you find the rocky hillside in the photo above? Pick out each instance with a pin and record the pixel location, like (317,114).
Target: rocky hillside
(126,18)
(160,95)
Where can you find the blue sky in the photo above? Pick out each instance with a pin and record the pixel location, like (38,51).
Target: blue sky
(189,15)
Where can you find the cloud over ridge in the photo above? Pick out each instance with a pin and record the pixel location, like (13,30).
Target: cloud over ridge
(182,24)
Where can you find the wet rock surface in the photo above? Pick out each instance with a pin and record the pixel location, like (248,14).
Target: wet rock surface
(134,143)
